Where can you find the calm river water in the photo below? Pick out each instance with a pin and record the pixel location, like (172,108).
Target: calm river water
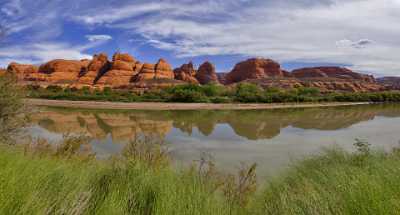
(271,138)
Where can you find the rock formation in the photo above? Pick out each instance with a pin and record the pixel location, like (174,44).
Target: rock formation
(96,68)
(255,68)
(121,72)
(331,72)
(207,74)
(392,83)
(63,71)
(125,72)
(186,73)
(163,70)
(21,71)
(147,72)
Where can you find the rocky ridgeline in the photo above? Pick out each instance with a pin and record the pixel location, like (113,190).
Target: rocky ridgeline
(125,72)
(390,82)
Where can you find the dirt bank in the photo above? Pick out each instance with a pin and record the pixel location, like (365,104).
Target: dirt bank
(177,106)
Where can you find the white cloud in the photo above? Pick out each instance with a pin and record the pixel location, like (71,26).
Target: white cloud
(362,43)
(361,33)
(98,37)
(306,31)
(41,52)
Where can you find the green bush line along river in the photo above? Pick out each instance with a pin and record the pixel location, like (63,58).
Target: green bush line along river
(242,93)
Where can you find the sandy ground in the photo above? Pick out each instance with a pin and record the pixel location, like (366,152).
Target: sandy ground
(177,106)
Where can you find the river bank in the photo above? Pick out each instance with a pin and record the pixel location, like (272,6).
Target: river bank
(178,106)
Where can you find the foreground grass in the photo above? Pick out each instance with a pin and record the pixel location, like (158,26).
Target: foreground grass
(48,185)
(337,182)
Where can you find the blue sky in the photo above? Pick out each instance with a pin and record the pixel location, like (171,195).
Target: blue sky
(360,34)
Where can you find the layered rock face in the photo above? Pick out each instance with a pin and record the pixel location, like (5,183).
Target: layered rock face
(63,71)
(336,79)
(186,73)
(392,83)
(123,68)
(323,84)
(148,72)
(255,68)
(207,74)
(161,70)
(96,67)
(268,73)
(331,72)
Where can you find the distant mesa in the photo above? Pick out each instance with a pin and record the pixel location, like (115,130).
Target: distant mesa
(123,71)
(390,82)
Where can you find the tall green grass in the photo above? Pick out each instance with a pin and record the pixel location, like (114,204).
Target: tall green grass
(336,182)
(53,185)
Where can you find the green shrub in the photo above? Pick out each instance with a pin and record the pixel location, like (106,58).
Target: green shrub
(54,88)
(248,93)
(212,90)
(187,93)
(306,91)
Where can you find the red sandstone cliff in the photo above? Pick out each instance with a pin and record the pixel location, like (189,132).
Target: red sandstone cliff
(331,72)
(255,68)
(124,71)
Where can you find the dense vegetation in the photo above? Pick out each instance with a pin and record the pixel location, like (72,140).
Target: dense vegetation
(242,93)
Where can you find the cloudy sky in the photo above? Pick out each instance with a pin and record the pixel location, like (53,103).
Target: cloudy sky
(360,34)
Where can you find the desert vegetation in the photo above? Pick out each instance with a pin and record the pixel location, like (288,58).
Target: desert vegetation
(212,93)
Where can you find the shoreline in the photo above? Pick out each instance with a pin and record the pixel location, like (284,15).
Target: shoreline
(179,106)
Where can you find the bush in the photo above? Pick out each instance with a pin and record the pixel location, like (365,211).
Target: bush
(306,91)
(248,93)
(186,93)
(212,90)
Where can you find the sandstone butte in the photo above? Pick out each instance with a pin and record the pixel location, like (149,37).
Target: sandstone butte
(125,72)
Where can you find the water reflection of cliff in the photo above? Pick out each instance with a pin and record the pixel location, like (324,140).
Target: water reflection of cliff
(249,124)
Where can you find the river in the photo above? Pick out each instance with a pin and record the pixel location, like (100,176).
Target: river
(271,138)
